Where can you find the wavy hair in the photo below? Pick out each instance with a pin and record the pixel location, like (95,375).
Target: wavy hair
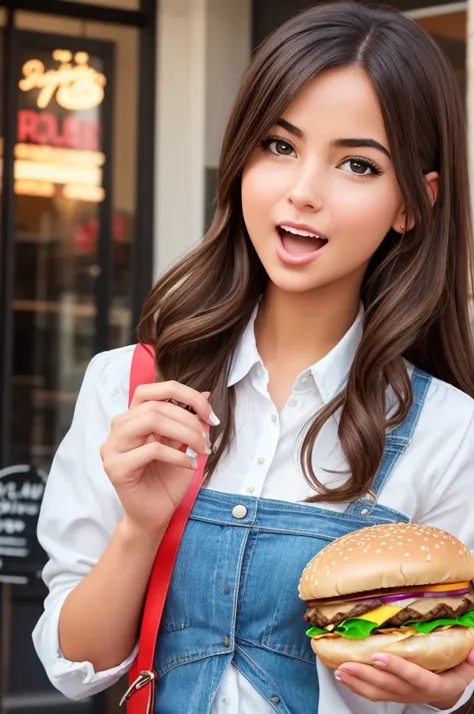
(417,287)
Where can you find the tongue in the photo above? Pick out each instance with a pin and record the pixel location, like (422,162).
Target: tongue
(300,244)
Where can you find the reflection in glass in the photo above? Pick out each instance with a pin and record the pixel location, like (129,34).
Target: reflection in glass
(58,186)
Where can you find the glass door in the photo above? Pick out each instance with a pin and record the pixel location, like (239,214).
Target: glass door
(56,281)
(61,232)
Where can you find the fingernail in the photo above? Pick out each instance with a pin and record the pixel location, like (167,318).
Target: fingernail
(338,676)
(379,663)
(191,452)
(215,421)
(194,463)
(206,394)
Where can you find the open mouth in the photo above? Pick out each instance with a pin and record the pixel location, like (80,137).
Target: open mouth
(300,242)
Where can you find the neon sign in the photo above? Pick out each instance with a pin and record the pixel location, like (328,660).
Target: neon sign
(77,85)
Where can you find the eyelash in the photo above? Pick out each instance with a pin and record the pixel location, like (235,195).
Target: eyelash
(375,168)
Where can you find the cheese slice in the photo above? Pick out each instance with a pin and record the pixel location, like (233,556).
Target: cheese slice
(381,614)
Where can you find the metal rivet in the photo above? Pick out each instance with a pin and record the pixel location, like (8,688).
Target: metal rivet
(226,641)
(364,512)
(239,511)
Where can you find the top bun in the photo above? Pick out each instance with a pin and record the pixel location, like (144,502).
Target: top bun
(386,556)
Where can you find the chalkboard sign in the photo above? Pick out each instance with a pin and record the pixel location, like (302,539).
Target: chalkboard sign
(21,492)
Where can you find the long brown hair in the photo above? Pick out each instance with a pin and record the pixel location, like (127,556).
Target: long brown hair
(417,287)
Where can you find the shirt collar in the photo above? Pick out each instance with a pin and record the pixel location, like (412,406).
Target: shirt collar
(330,373)
(246,355)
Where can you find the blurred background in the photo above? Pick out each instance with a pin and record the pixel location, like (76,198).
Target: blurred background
(111,118)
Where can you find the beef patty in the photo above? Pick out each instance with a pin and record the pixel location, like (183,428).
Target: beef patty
(315,617)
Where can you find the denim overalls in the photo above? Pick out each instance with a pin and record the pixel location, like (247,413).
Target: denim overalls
(234,592)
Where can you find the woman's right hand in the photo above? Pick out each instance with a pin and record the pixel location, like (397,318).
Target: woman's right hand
(142,455)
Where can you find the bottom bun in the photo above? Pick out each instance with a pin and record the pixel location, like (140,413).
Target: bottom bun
(436,651)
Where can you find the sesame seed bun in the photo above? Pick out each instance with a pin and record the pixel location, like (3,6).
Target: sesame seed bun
(386,556)
(437,651)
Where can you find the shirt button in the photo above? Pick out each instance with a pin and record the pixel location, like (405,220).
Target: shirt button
(239,511)
(225,700)
(292,403)
(250,489)
(274,419)
(364,511)
(275,700)
(261,461)
(226,641)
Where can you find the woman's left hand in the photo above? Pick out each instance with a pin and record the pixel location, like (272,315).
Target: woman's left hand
(393,679)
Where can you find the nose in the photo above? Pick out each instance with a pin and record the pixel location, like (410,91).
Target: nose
(306,189)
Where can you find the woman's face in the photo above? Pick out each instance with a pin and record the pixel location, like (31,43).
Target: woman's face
(325,171)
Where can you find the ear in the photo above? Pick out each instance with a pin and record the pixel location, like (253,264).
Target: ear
(432,184)
(401,223)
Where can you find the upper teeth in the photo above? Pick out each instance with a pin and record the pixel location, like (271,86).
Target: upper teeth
(298,232)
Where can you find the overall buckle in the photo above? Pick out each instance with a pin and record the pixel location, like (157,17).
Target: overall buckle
(145,677)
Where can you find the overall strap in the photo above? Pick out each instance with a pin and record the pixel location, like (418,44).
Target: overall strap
(396,442)
(140,695)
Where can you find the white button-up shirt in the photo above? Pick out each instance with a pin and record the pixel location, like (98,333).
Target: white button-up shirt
(432,483)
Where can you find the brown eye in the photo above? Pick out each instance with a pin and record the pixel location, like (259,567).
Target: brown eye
(358,167)
(279,147)
(283,148)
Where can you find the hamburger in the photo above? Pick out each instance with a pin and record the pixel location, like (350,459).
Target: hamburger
(398,588)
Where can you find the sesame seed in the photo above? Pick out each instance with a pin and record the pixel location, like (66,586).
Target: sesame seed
(407,555)
(428,557)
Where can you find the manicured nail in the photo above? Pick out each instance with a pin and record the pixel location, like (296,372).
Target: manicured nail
(194,463)
(215,421)
(338,676)
(378,662)
(191,452)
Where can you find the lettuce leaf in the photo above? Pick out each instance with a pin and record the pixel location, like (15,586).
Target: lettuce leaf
(357,629)
(466,620)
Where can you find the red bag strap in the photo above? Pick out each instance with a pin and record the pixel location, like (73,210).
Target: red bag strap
(140,695)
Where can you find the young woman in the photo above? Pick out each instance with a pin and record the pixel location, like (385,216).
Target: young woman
(290,346)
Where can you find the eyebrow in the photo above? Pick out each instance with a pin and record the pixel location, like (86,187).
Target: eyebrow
(350,143)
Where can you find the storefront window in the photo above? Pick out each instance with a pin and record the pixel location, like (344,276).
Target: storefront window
(75,137)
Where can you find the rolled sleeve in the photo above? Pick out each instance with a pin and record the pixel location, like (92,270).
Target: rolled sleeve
(79,513)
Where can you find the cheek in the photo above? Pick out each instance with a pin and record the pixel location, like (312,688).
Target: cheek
(369,211)
(262,188)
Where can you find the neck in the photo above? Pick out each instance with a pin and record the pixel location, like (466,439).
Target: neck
(303,327)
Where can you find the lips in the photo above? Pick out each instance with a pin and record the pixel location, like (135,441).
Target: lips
(298,244)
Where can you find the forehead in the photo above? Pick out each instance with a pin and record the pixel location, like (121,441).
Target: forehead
(338,103)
